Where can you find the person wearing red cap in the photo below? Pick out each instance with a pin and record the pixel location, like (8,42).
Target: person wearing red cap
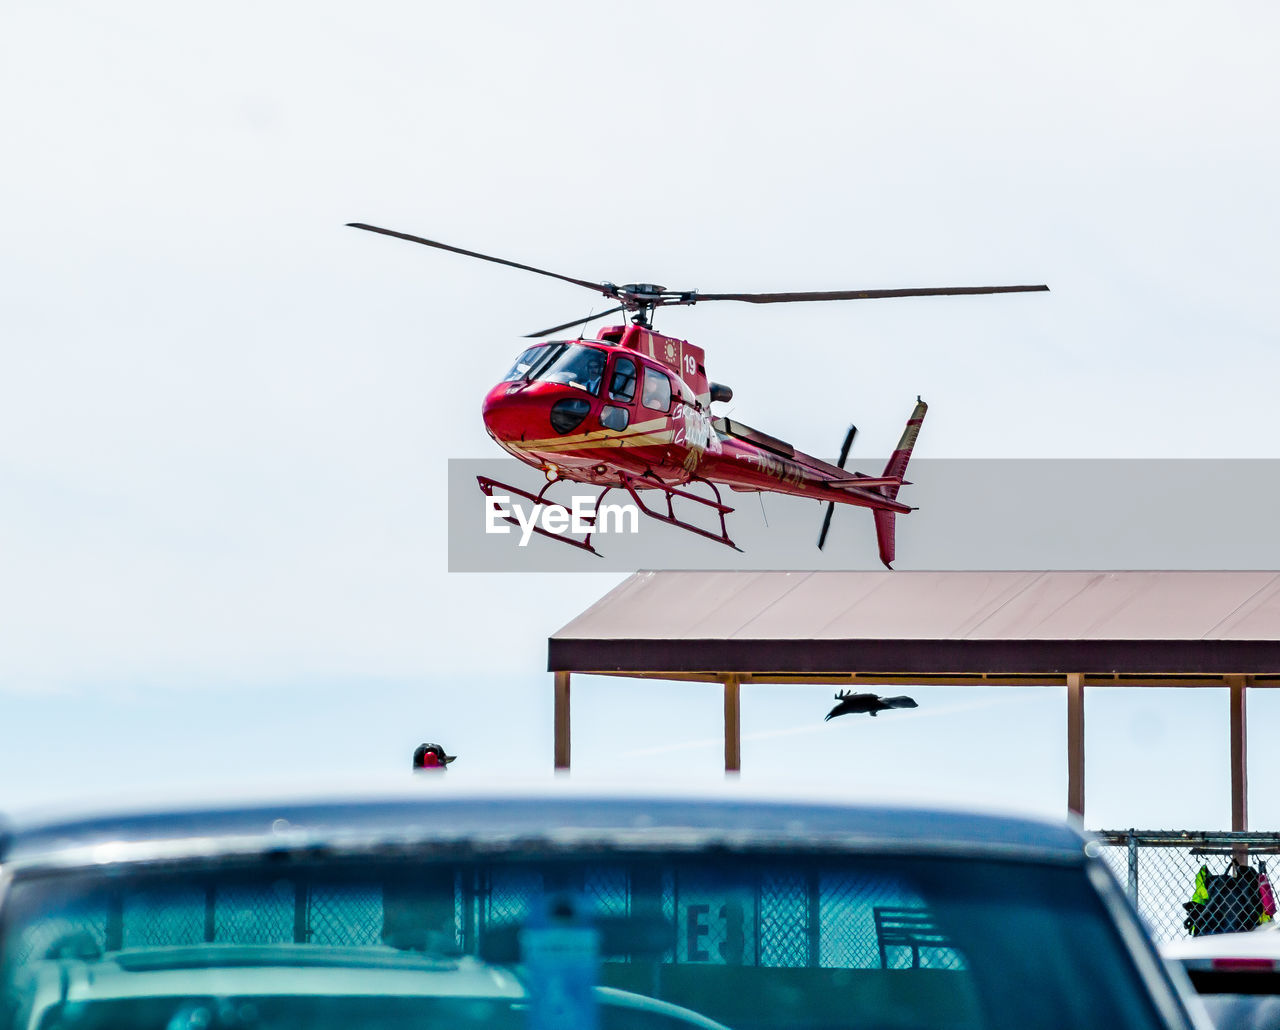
(431,756)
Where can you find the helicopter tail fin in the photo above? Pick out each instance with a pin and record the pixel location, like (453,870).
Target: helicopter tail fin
(895,468)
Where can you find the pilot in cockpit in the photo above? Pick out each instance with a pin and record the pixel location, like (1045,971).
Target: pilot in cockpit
(593,374)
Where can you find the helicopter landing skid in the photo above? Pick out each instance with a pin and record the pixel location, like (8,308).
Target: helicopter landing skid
(631,483)
(487,487)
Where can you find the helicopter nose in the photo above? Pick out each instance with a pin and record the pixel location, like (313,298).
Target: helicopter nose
(532,411)
(506,413)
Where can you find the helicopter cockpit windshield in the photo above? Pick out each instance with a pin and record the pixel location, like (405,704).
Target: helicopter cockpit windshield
(528,361)
(573,364)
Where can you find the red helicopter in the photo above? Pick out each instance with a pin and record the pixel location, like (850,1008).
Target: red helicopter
(631,410)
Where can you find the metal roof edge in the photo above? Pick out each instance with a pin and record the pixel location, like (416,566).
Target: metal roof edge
(923,656)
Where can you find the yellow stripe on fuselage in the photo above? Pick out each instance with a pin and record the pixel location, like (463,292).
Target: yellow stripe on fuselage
(638,440)
(599,438)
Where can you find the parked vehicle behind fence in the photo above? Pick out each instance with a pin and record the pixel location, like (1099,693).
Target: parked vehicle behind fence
(1236,974)
(441,910)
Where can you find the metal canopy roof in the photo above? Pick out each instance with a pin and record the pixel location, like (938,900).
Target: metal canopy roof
(1171,628)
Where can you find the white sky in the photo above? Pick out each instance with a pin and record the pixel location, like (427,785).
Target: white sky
(224,417)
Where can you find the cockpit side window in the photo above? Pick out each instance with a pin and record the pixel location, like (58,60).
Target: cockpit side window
(657,390)
(622,383)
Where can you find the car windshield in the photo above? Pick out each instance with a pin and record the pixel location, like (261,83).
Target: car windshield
(617,942)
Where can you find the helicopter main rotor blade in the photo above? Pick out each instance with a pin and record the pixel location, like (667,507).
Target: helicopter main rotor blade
(786,298)
(578,322)
(604,288)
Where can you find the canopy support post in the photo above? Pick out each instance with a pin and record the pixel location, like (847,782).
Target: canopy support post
(562,721)
(1239,756)
(1075,744)
(732,725)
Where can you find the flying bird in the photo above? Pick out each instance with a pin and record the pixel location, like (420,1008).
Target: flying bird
(870,703)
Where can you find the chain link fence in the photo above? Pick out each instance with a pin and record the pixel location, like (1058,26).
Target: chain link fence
(1187,883)
(782,918)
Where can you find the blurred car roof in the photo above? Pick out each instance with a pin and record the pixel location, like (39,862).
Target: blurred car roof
(557,814)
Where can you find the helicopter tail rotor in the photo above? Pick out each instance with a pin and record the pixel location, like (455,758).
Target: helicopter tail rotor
(831,505)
